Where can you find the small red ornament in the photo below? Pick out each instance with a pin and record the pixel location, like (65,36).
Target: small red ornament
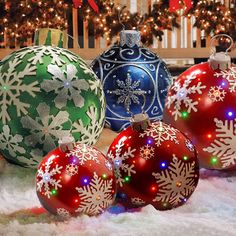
(154,164)
(202,104)
(76,180)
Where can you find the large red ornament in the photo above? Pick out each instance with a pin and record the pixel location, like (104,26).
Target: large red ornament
(80,180)
(202,104)
(154,164)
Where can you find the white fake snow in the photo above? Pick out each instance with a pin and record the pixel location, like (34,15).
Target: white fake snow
(210,211)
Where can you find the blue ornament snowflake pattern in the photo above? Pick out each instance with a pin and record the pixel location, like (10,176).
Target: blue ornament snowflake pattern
(126,74)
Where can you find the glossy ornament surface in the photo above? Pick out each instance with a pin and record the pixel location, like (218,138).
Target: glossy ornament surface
(157,166)
(202,104)
(128,71)
(46,92)
(80,180)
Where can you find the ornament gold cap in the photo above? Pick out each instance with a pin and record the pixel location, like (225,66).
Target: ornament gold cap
(220,60)
(130,38)
(140,122)
(66,143)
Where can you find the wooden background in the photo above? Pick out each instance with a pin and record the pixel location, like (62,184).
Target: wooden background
(185,42)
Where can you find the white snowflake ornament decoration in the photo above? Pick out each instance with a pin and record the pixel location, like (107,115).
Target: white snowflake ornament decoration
(46,179)
(145,155)
(223,147)
(96,196)
(209,122)
(176,183)
(69,184)
(182,96)
(47,92)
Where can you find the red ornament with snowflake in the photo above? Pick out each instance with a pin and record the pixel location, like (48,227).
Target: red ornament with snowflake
(154,164)
(202,104)
(76,180)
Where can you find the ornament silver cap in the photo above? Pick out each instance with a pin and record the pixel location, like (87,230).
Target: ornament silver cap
(130,38)
(66,143)
(220,60)
(140,122)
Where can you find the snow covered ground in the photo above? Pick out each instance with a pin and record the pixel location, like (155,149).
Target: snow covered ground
(210,211)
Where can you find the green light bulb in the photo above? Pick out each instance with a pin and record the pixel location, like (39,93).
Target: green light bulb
(127,178)
(214,160)
(184,114)
(54,192)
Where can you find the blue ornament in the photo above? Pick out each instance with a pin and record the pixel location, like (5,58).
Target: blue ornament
(128,73)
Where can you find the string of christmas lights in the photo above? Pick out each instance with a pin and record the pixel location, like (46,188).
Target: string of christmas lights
(20,19)
(112,19)
(214,17)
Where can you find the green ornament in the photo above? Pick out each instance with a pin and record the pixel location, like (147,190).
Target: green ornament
(47,93)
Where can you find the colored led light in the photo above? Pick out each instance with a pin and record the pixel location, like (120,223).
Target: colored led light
(104,176)
(117,162)
(149,141)
(54,192)
(184,114)
(127,178)
(153,188)
(163,164)
(185,158)
(209,136)
(213,160)
(85,180)
(230,113)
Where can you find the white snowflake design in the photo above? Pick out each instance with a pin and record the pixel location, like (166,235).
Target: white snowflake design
(128,91)
(87,70)
(224,146)
(40,51)
(182,96)
(84,153)
(66,85)
(46,181)
(189,145)
(216,94)
(96,196)
(46,129)
(175,183)
(12,86)
(36,157)
(147,152)
(91,132)
(62,212)
(119,159)
(71,169)
(160,132)
(108,165)
(11,142)
(137,201)
(230,76)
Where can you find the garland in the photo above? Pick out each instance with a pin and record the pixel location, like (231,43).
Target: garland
(19,19)
(112,19)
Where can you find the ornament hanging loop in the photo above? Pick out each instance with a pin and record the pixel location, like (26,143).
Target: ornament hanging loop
(220,60)
(213,39)
(119,19)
